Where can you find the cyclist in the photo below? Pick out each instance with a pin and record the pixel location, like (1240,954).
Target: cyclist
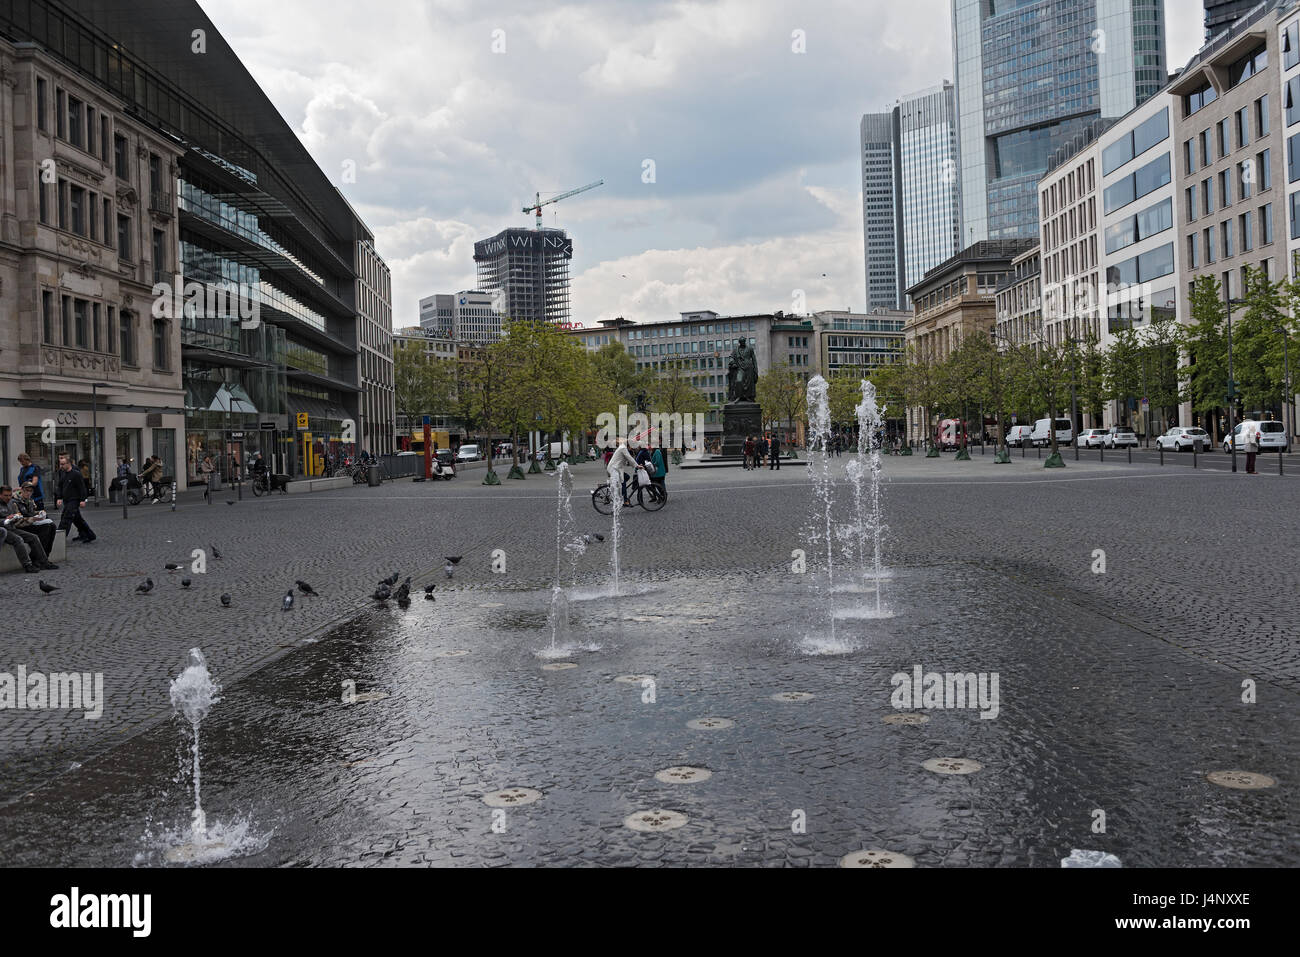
(621,461)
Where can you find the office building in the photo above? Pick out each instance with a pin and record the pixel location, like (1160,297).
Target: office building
(525,272)
(264,235)
(375,303)
(909,192)
(466,316)
(1030,77)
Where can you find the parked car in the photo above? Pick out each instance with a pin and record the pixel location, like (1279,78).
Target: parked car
(951,434)
(1092,438)
(468,453)
(1272,436)
(1041,434)
(1182,439)
(1119,436)
(1018,435)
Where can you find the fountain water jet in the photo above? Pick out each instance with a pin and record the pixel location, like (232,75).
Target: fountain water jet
(870,417)
(819,434)
(193,694)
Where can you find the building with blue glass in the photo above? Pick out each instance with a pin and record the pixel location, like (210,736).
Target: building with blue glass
(1031,76)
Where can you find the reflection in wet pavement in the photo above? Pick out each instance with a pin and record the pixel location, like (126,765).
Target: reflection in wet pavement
(451,704)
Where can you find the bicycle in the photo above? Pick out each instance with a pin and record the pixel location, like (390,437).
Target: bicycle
(650,497)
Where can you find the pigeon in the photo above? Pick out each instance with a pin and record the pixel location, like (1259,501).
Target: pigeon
(454,559)
(47,588)
(145,586)
(391,580)
(287,604)
(403,593)
(597,536)
(230,501)
(186,582)
(382,593)
(447,570)
(305,588)
(172,567)
(225,600)
(428,589)
(216,554)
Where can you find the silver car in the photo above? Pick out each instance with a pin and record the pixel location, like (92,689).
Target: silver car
(1120,435)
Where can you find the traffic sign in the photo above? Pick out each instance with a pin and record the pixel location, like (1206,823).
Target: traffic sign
(302,420)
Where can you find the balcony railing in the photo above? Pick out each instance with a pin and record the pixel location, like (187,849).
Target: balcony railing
(161,202)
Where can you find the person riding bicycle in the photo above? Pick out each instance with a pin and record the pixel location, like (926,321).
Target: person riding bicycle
(659,470)
(621,461)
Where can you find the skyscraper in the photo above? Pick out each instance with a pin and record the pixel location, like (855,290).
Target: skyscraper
(910,211)
(879,210)
(526,271)
(1220,14)
(1031,74)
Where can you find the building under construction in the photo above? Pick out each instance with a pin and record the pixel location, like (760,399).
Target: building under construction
(527,273)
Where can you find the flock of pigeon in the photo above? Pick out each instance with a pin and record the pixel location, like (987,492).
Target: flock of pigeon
(384,592)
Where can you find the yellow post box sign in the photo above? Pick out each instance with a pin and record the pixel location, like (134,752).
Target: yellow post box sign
(302,420)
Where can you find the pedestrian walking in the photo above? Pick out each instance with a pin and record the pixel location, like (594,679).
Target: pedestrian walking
(27,472)
(775,460)
(71,492)
(1252,450)
(749,452)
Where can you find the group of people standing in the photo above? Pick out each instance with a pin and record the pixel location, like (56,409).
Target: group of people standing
(760,447)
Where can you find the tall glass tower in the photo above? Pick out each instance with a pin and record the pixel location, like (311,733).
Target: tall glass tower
(879,229)
(926,150)
(1031,74)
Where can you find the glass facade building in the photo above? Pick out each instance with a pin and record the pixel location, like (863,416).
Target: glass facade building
(1031,75)
(260,226)
(880,210)
(910,210)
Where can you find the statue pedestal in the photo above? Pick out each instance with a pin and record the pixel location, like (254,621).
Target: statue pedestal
(739,421)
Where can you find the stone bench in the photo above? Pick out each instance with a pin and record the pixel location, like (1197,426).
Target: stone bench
(9,556)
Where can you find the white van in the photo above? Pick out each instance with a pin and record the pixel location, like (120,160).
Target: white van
(1042,436)
(1018,435)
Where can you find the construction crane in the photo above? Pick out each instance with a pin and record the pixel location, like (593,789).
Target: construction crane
(537,206)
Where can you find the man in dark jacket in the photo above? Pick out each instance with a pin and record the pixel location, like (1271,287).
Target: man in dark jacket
(71,491)
(775,462)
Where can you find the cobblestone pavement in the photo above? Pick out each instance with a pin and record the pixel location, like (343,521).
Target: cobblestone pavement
(1198,567)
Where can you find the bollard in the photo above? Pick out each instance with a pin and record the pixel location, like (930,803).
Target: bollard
(1279,460)
(1130,455)
(208,493)
(1023,450)
(1101,453)
(173,496)
(1038,451)
(124,494)
(1162,455)
(1196,450)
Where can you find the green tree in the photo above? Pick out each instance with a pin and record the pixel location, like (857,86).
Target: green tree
(422,383)
(616,366)
(782,391)
(1123,376)
(1206,374)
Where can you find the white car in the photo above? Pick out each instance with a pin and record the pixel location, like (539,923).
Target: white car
(1272,436)
(467,453)
(1183,439)
(1121,435)
(1091,438)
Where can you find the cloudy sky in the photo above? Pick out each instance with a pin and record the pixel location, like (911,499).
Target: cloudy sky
(454,113)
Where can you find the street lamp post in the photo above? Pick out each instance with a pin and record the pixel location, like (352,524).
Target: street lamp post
(96,453)
(1288,414)
(1232,385)
(1074,398)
